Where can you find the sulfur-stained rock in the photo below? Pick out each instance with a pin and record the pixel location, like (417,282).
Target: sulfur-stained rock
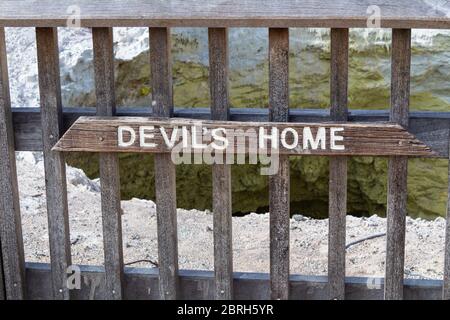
(369,88)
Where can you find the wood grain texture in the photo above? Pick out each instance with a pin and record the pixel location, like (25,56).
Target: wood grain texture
(221,173)
(278,74)
(142,284)
(11,250)
(161,69)
(100,134)
(338,167)
(166,200)
(218,73)
(398,167)
(219,13)
(109,165)
(223,245)
(54,164)
(279,182)
(432,128)
(339,74)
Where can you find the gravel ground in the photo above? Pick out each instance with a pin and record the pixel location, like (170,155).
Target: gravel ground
(309,237)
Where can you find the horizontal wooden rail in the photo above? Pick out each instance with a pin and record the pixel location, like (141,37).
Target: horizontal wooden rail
(143,284)
(432,128)
(218,13)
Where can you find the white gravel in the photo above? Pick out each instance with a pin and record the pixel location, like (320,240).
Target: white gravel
(309,237)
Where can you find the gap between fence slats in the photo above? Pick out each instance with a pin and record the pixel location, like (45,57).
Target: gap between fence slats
(338,167)
(165,189)
(221,173)
(231,13)
(12,272)
(398,167)
(279,182)
(109,165)
(446,280)
(446,283)
(55,169)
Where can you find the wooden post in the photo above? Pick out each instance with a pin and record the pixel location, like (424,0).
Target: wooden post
(166,200)
(10,222)
(338,168)
(398,167)
(279,182)
(222,202)
(109,165)
(55,169)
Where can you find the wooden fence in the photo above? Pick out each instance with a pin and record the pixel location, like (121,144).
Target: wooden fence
(39,129)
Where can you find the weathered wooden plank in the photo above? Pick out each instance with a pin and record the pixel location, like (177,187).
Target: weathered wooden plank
(218,73)
(223,247)
(142,284)
(446,283)
(279,181)
(398,167)
(221,173)
(55,169)
(10,221)
(338,167)
(109,165)
(233,13)
(339,74)
(163,135)
(431,128)
(166,200)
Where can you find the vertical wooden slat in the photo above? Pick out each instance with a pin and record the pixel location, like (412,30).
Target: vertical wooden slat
(223,252)
(109,165)
(166,204)
(446,284)
(279,182)
(55,170)
(218,73)
(10,221)
(338,167)
(398,167)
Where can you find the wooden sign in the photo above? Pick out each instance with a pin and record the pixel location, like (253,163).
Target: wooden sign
(153,135)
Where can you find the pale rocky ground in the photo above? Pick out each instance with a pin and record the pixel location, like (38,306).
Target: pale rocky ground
(424,250)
